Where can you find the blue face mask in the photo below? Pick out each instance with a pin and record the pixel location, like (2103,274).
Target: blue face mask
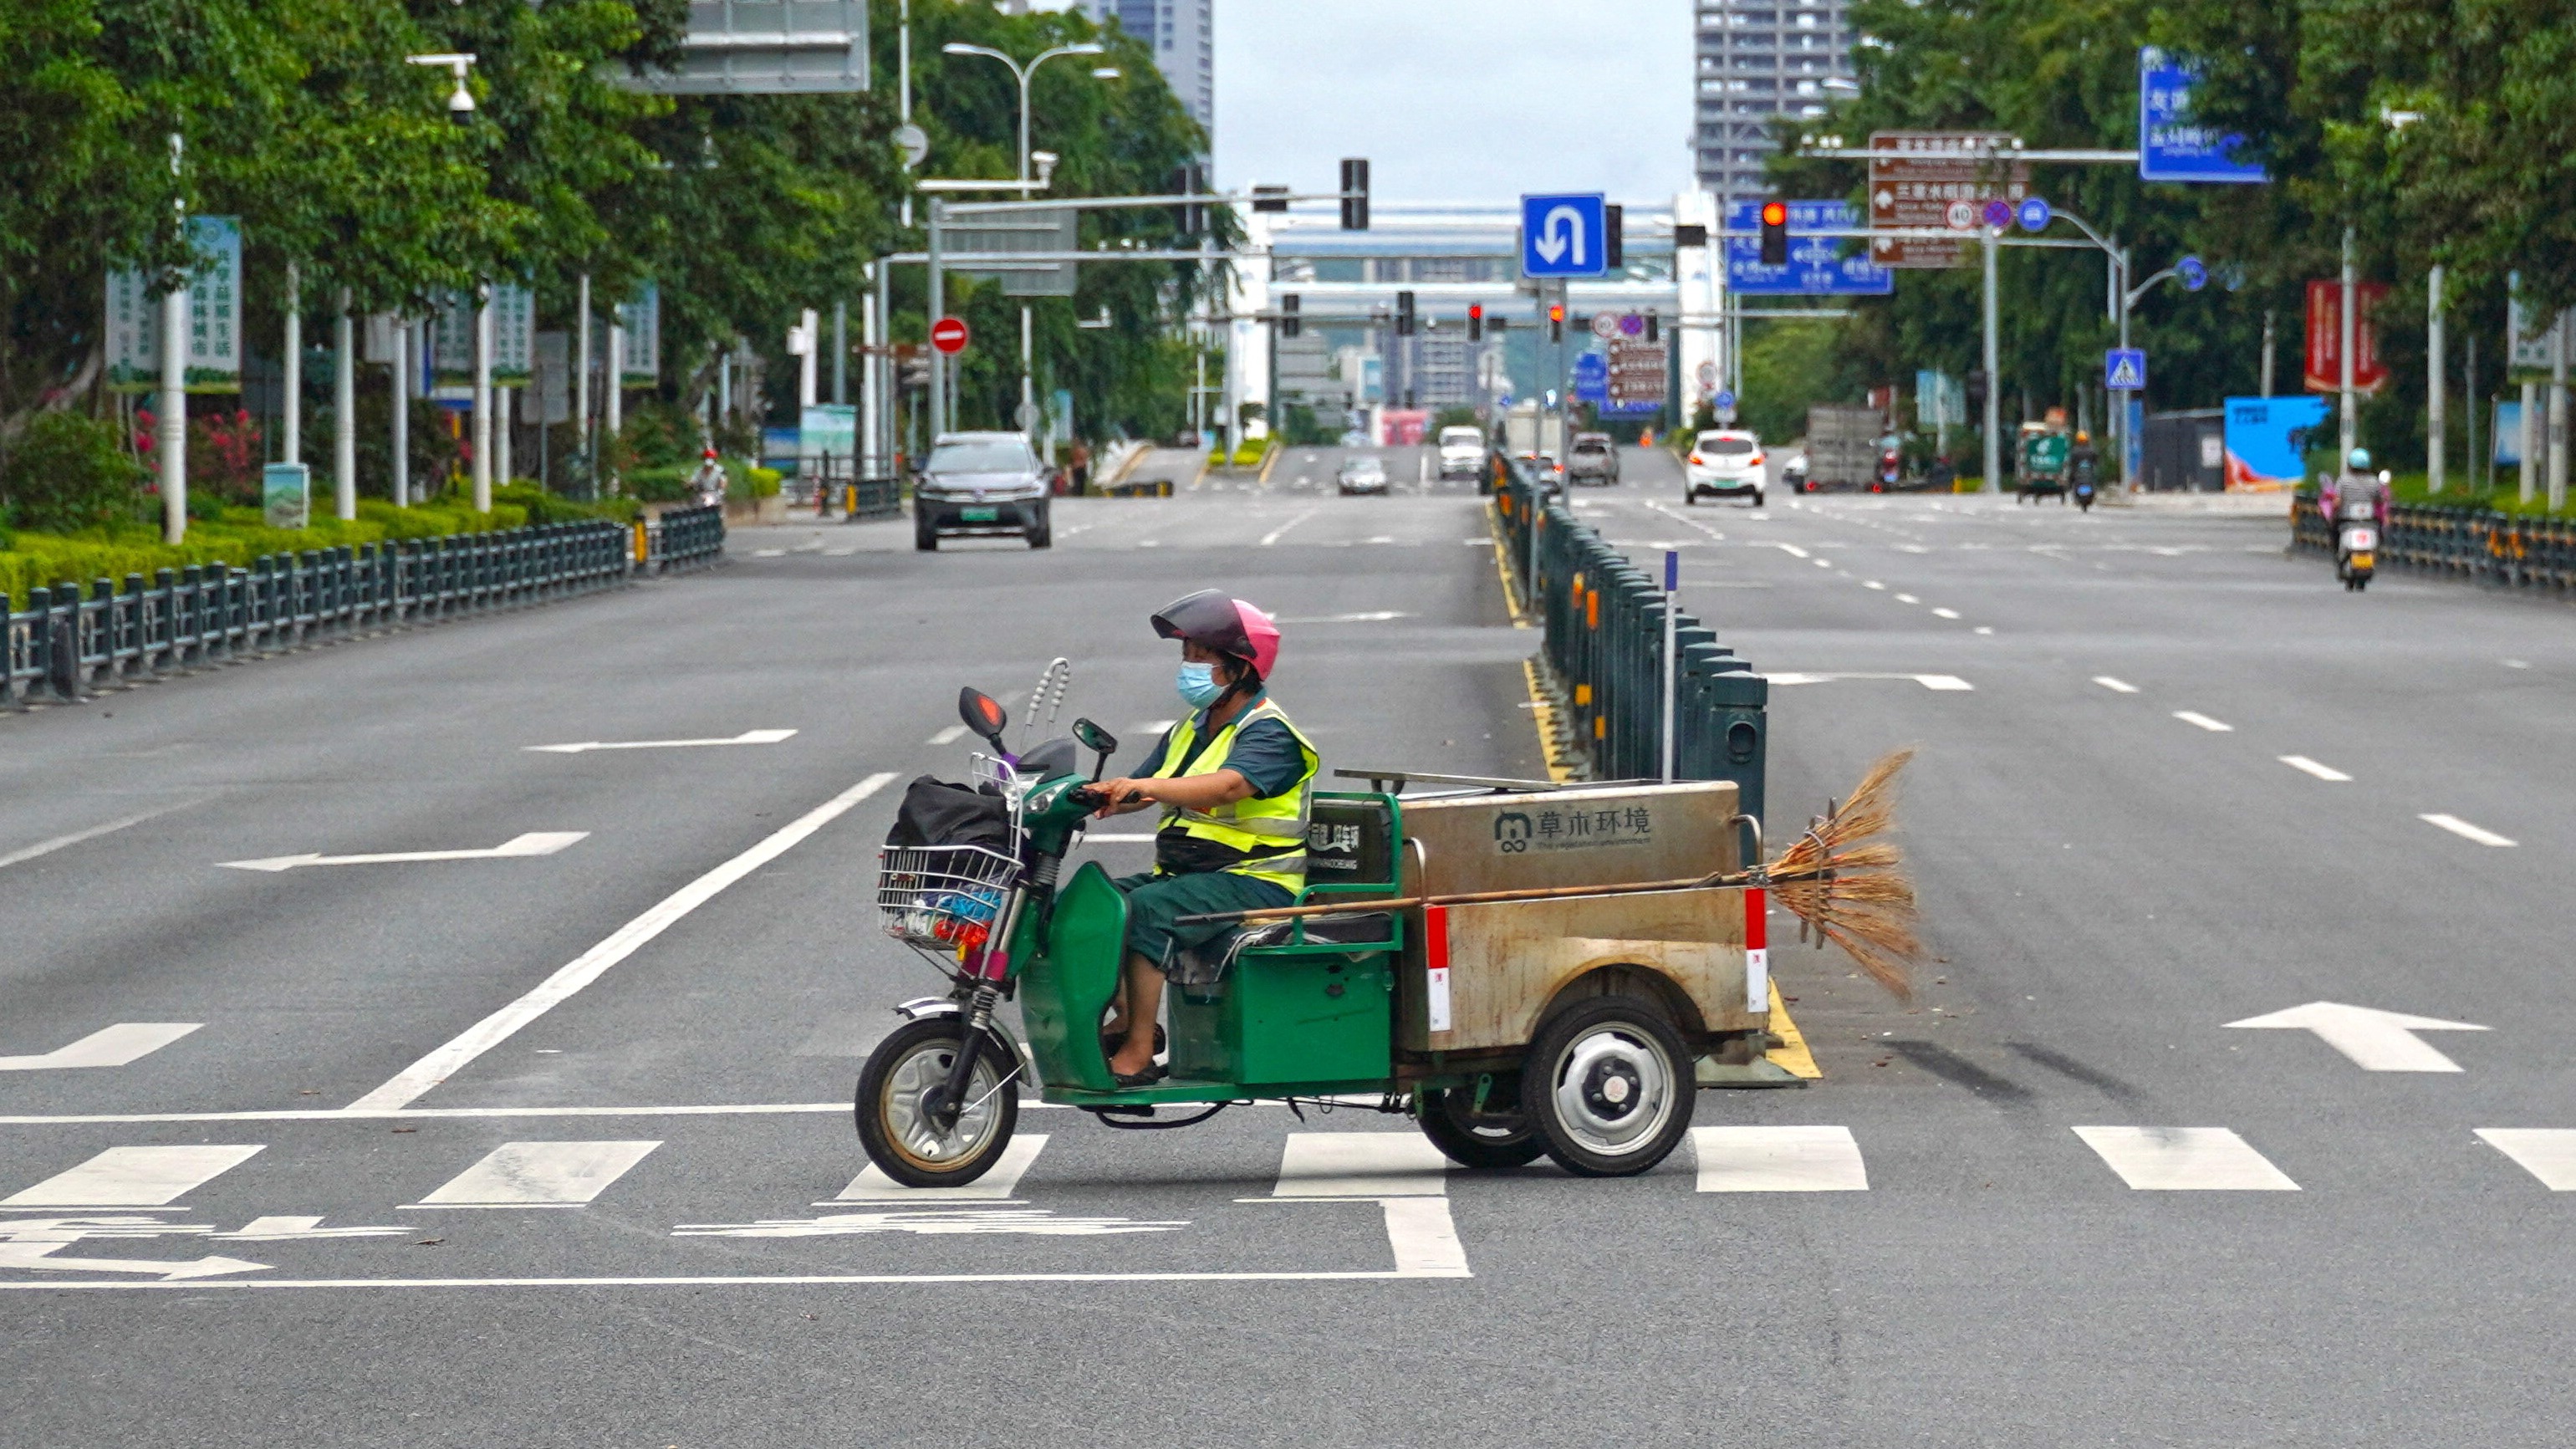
(1198,685)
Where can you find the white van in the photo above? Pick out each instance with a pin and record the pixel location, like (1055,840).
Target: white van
(1462,452)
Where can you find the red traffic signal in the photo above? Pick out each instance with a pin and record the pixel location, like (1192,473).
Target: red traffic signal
(1775,233)
(1475,321)
(1556,321)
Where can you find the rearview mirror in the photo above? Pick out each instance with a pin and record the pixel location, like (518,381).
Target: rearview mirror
(983,714)
(1095,738)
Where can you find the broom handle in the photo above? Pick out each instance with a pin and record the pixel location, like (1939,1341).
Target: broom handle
(1290,913)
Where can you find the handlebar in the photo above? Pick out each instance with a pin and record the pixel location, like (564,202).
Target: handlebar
(1087,797)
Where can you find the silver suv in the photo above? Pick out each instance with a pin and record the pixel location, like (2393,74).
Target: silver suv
(981,485)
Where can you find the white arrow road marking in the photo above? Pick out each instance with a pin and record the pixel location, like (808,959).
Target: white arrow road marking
(2465,830)
(536,842)
(42,1255)
(747,737)
(109,1046)
(2547,1153)
(38,1243)
(1778,1159)
(2377,1041)
(299,1230)
(134,1177)
(414,1081)
(1928,681)
(2306,766)
(2195,717)
(2185,1159)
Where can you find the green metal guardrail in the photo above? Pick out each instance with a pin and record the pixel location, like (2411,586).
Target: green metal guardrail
(2467,543)
(68,645)
(1604,623)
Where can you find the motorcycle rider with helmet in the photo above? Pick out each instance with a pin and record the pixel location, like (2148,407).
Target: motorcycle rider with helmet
(1232,780)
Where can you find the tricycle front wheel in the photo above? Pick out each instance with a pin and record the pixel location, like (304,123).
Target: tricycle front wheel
(1608,1085)
(1495,1139)
(899,1086)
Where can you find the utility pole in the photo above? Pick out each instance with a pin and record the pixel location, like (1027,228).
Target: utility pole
(937,306)
(483,398)
(344,411)
(2350,434)
(171,435)
(840,351)
(2433,439)
(581,385)
(1994,466)
(2268,348)
(402,411)
(294,360)
(612,379)
(2558,412)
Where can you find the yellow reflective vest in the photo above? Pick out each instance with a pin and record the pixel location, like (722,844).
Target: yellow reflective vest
(1268,833)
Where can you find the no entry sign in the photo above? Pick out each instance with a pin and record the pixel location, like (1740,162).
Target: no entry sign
(949,335)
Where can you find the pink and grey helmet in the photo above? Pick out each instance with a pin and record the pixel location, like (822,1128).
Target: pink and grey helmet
(1228,626)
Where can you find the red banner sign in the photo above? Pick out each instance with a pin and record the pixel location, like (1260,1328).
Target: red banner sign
(2325,337)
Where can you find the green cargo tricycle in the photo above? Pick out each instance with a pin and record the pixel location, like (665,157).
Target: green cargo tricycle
(1576,1017)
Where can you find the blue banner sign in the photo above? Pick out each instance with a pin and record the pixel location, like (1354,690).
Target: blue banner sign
(1817,264)
(1591,377)
(2171,146)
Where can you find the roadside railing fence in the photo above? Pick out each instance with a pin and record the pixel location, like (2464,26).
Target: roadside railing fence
(1603,622)
(2463,542)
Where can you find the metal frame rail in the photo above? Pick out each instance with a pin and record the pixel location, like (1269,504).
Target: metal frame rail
(2470,543)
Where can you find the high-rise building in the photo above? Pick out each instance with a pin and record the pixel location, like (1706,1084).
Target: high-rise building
(1759,59)
(1183,35)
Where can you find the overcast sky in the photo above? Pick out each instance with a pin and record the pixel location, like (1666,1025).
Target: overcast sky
(1456,100)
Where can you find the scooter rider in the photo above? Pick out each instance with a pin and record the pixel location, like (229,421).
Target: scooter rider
(2339,497)
(1232,781)
(710,481)
(2084,464)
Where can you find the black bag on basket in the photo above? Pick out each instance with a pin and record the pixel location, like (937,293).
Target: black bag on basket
(936,812)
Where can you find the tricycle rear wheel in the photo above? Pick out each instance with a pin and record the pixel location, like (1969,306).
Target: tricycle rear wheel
(909,1068)
(1494,1139)
(1608,1085)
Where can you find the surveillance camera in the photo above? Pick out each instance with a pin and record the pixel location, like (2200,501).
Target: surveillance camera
(460,105)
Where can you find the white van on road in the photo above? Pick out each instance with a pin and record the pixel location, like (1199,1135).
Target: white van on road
(1462,452)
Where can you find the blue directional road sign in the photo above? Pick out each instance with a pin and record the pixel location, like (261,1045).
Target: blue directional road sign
(1817,266)
(1724,399)
(2033,214)
(1592,377)
(1562,236)
(2170,146)
(2124,369)
(2194,275)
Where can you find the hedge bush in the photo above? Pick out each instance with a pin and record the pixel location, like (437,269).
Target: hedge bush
(236,536)
(66,471)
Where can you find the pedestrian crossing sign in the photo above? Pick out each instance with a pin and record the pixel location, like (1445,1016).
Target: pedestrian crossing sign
(2124,369)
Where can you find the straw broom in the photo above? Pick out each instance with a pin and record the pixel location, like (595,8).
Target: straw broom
(1843,882)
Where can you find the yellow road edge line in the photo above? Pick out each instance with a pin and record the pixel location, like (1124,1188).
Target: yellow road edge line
(1543,715)
(1269,462)
(1791,1055)
(1503,568)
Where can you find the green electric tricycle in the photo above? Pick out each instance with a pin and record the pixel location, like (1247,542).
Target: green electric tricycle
(1577,1018)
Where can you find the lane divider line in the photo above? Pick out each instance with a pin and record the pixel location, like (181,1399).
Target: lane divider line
(2307,766)
(415,1081)
(2195,717)
(2116,686)
(2466,831)
(48,847)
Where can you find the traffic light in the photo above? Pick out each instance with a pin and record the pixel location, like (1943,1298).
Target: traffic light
(1497,324)
(1775,233)
(1475,321)
(1556,321)
(1270,198)
(1976,393)
(1355,193)
(1189,180)
(1614,240)
(1689,234)
(1654,327)
(1290,323)
(1404,314)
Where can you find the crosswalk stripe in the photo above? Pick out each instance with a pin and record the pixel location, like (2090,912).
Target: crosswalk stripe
(539,1174)
(1361,1164)
(2185,1159)
(1778,1159)
(1000,1181)
(2547,1153)
(134,1177)
(120,1045)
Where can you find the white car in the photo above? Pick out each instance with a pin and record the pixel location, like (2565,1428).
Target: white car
(1462,452)
(1724,463)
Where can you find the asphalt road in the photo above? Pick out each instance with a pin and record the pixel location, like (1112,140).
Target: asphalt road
(600,1131)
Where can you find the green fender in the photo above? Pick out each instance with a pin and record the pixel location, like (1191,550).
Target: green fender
(1064,990)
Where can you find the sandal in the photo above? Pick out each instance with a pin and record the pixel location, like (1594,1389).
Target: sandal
(1145,1078)
(1109,1045)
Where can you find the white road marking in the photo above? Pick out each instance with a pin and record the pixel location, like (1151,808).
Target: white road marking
(1928,681)
(48,847)
(1097,837)
(2307,766)
(519,847)
(1379,616)
(853,548)
(747,737)
(2185,1159)
(2195,717)
(769,553)
(1945,613)
(1274,535)
(1907,599)
(1985,628)
(1155,726)
(416,1080)
(2509,664)
(1822,563)
(2465,830)
(1000,1182)
(2375,1040)
(539,1174)
(134,1177)
(1424,1237)
(300,1230)
(2116,686)
(109,1046)
(950,735)
(1778,1159)
(37,1243)
(1361,1164)
(1873,584)
(1791,549)
(2547,1153)
(932,1222)
(787,1280)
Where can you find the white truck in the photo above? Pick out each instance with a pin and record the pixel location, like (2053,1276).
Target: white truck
(1842,445)
(1462,452)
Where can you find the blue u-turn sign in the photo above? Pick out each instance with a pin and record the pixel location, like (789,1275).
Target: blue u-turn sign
(1561,236)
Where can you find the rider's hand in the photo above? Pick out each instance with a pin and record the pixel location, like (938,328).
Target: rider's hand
(1123,796)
